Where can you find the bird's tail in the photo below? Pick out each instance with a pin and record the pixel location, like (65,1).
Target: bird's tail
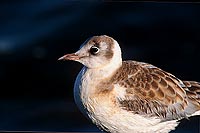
(193,94)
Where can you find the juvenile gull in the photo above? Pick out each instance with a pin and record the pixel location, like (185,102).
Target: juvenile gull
(129,96)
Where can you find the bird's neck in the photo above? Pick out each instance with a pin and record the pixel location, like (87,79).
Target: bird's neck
(92,78)
(107,71)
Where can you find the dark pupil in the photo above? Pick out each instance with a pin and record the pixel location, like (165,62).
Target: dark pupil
(94,50)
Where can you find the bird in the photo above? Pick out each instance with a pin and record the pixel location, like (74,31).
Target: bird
(129,96)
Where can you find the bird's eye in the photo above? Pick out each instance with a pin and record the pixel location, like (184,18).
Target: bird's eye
(94,50)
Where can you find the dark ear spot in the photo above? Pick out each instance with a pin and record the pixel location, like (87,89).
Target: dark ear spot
(109,54)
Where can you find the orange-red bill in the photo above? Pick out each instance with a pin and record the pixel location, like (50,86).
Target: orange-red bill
(72,56)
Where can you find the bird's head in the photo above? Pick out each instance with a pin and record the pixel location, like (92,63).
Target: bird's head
(96,52)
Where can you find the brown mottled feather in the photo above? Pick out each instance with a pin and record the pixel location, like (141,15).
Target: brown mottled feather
(193,91)
(152,91)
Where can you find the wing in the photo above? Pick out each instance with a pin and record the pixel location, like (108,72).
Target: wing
(151,91)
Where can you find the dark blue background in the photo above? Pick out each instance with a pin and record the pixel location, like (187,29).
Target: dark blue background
(37,90)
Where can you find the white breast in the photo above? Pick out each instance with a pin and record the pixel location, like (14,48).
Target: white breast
(101,110)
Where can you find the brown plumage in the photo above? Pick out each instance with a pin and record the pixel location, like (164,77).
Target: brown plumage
(152,91)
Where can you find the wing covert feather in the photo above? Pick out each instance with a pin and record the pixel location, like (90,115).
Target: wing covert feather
(150,90)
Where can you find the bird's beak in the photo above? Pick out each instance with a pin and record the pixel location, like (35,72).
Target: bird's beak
(72,56)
